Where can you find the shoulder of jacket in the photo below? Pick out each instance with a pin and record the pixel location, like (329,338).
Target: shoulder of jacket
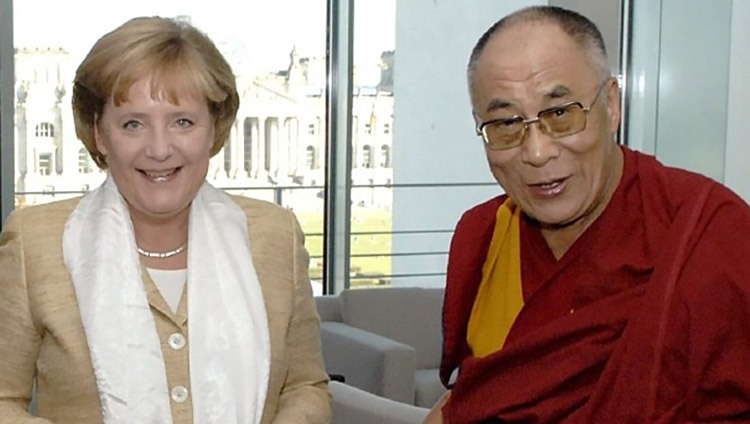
(45,215)
(257,205)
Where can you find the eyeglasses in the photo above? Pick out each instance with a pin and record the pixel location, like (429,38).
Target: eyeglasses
(558,121)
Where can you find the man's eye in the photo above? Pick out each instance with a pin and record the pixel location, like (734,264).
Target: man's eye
(560,111)
(507,123)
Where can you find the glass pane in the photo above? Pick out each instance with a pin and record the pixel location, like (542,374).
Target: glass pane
(372,138)
(276,150)
(683,123)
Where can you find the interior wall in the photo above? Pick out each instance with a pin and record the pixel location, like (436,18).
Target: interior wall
(693,85)
(607,16)
(737,174)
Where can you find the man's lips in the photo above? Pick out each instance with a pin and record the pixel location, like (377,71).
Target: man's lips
(550,188)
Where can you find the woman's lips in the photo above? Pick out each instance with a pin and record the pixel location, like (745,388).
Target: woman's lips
(161,176)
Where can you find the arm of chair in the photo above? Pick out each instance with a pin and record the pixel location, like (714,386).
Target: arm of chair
(329,307)
(352,405)
(369,361)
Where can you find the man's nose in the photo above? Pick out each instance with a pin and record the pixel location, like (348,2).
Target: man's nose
(539,147)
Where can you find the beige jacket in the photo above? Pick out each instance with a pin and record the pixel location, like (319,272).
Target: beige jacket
(41,332)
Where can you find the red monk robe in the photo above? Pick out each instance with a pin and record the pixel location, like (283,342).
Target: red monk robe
(646,318)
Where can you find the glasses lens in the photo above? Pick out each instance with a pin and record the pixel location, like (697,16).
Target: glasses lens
(564,120)
(503,133)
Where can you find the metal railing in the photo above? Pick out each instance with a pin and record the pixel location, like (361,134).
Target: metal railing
(278,196)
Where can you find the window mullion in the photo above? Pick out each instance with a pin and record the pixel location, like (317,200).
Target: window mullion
(337,222)
(7,87)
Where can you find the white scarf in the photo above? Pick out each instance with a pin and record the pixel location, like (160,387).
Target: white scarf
(227,324)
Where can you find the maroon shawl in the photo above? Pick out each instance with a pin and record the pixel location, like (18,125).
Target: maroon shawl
(645,319)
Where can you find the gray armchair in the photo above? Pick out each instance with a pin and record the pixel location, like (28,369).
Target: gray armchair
(385,341)
(355,406)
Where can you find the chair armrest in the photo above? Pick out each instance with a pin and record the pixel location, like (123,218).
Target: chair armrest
(329,307)
(353,405)
(371,362)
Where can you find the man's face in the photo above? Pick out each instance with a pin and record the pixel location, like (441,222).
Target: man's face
(530,67)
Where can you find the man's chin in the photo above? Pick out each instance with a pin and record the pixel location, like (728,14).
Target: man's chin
(554,223)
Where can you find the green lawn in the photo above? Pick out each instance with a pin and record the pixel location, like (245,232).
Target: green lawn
(363,221)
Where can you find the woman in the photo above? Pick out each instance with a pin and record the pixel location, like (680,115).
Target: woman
(157,298)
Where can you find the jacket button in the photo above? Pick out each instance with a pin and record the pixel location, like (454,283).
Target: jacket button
(179,394)
(176,341)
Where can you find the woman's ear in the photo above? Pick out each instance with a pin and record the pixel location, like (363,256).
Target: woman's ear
(100,144)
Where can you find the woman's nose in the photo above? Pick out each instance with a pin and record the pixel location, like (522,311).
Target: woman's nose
(159,146)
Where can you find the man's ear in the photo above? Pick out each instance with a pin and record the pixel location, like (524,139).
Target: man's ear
(613,104)
(477,121)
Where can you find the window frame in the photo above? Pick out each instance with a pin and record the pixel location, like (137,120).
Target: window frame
(7,112)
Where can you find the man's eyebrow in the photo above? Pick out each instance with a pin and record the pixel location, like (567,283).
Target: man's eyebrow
(557,92)
(497,104)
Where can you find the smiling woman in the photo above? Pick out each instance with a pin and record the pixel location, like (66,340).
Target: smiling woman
(160,274)
(157,152)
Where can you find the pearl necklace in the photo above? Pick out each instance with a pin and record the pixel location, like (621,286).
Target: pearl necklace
(162,255)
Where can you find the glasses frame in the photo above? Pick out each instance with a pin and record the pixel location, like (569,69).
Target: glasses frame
(482,132)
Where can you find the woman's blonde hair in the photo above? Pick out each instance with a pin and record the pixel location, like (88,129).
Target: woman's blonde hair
(179,60)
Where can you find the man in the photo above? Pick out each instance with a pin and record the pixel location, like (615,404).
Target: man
(603,287)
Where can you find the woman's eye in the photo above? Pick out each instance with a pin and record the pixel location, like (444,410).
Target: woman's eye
(184,123)
(132,125)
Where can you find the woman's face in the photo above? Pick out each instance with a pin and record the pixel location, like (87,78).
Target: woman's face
(157,152)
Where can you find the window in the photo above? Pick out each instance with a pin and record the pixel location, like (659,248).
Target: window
(45,129)
(84,162)
(366,156)
(285,76)
(310,157)
(228,158)
(281,81)
(44,164)
(248,137)
(271,126)
(385,156)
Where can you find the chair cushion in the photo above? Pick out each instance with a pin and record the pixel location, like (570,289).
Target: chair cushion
(410,315)
(355,406)
(428,387)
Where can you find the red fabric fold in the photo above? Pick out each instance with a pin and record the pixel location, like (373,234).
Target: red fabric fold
(661,338)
